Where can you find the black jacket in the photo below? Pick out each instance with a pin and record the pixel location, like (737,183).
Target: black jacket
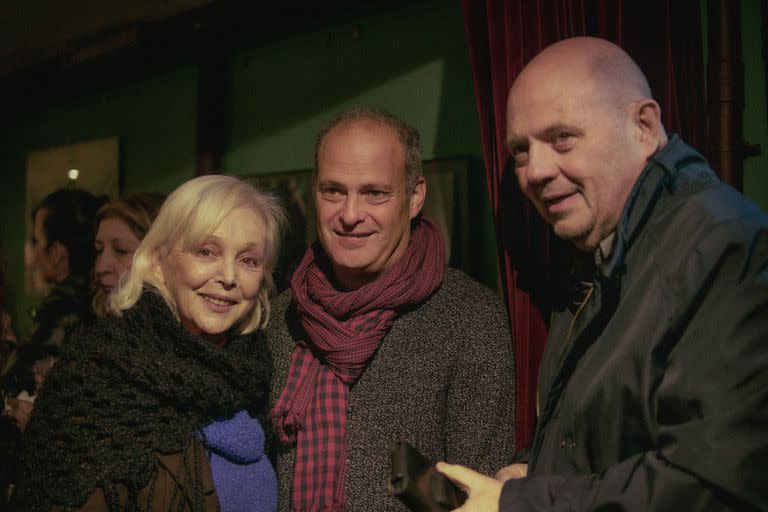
(655,395)
(63,314)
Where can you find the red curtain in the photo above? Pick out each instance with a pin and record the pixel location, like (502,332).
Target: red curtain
(663,36)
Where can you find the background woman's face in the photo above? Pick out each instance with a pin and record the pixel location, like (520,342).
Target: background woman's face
(115,244)
(216,284)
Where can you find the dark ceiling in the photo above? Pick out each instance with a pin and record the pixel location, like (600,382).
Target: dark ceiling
(35,31)
(55,48)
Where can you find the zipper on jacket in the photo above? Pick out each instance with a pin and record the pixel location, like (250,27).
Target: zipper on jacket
(571,328)
(578,312)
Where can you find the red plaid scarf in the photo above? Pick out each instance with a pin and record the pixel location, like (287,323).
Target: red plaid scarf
(345,330)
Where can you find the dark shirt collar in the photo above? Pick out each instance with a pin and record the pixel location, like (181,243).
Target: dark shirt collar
(659,173)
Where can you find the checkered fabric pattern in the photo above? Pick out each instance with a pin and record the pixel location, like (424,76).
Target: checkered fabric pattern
(344,330)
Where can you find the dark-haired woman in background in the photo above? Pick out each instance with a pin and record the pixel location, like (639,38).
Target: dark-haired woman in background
(62,252)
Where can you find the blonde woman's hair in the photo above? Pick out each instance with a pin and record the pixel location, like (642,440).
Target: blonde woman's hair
(188,216)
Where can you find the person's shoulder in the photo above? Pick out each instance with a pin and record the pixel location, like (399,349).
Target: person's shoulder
(108,323)
(97,337)
(464,310)
(695,189)
(463,302)
(279,331)
(711,209)
(283,298)
(461,287)
(62,303)
(699,221)
(279,306)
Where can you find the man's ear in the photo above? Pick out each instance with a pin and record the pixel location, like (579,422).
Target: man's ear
(60,256)
(418,195)
(646,120)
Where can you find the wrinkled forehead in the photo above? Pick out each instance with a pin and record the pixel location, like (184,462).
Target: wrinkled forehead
(191,232)
(536,101)
(529,106)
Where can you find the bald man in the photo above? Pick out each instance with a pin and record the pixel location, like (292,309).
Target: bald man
(654,383)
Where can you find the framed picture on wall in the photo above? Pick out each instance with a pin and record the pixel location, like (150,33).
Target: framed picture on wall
(91,165)
(447,205)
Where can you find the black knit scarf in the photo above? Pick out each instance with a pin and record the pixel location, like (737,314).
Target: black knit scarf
(128,389)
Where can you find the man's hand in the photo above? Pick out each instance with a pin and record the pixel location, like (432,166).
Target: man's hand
(512,472)
(483,492)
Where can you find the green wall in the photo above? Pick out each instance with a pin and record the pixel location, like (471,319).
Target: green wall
(413,63)
(755,114)
(155,119)
(755,108)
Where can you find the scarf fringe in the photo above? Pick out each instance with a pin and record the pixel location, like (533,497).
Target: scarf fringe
(287,424)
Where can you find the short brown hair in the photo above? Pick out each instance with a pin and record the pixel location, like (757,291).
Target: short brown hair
(407,134)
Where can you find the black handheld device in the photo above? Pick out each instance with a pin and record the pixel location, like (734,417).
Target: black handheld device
(417,483)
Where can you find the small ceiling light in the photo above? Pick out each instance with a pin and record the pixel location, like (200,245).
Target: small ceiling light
(73,174)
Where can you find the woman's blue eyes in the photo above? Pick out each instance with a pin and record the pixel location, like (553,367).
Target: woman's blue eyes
(253,262)
(246,260)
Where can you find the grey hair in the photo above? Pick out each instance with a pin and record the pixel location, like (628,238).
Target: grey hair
(406,134)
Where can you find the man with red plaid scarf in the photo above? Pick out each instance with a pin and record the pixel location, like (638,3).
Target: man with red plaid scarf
(377,340)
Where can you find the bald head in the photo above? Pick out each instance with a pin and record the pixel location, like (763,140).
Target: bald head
(588,61)
(581,125)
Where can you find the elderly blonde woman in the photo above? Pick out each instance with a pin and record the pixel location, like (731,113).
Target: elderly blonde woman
(157,407)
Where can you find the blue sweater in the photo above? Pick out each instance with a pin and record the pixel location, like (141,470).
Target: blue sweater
(243,476)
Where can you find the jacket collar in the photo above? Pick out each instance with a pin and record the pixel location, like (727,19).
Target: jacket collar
(659,174)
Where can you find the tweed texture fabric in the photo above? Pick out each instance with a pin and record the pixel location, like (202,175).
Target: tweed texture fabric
(344,331)
(127,390)
(441,379)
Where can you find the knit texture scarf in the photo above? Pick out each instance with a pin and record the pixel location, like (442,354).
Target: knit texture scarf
(129,389)
(344,330)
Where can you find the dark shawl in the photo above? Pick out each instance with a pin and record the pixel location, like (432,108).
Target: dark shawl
(129,389)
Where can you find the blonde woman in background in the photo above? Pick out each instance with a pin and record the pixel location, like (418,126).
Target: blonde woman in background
(120,226)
